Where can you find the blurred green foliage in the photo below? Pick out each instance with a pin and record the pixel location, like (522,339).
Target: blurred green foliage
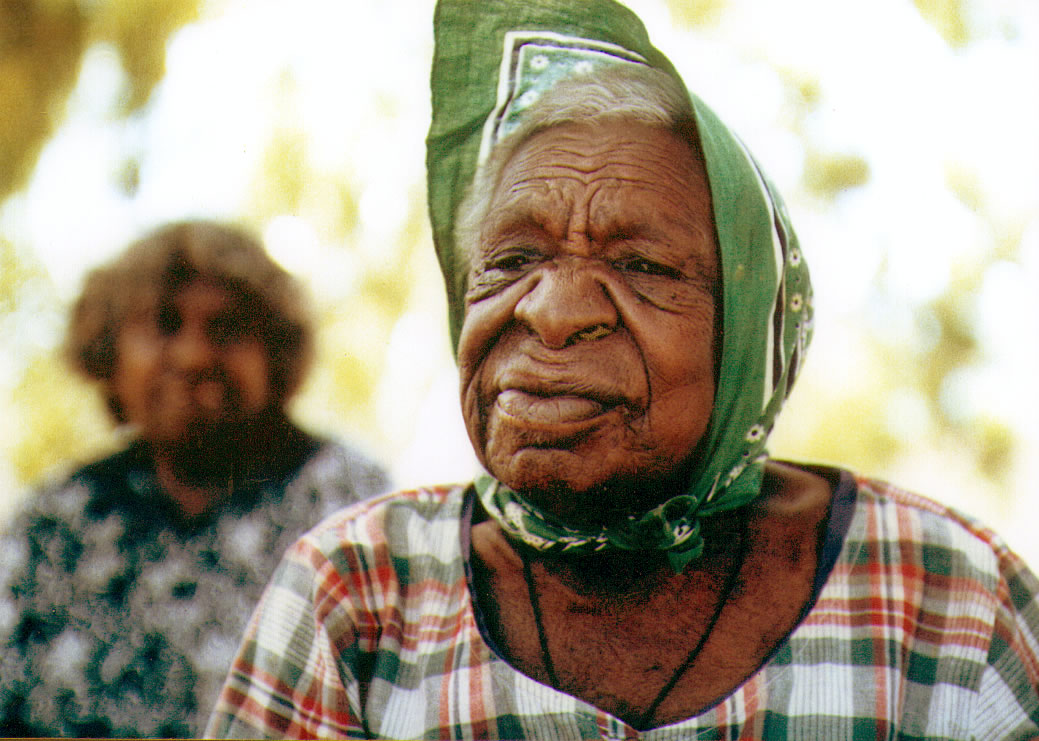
(42,43)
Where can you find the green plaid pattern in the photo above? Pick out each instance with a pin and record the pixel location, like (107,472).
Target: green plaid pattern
(927,627)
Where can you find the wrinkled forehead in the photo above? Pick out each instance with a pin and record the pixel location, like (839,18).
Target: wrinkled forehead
(619,177)
(613,150)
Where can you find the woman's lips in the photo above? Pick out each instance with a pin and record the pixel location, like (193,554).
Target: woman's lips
(535,409)
(206,397)
(210,395)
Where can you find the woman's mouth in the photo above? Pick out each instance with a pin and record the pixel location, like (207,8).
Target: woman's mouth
(538,410)
(210,396)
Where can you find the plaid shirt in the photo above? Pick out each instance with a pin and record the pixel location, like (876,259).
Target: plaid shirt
(925,626)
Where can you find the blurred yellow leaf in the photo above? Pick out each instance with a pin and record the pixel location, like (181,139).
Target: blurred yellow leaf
(947,17)
(140,30)
(828,174)
(964,183)
(62,420)
(41,45)
(691,13)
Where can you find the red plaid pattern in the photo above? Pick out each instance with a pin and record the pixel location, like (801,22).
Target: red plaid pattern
(927,627)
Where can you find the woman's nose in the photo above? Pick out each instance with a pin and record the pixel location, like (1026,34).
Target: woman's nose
(569,304)
(191,349)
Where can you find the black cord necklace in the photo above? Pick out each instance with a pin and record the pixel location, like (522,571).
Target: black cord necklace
(690,659)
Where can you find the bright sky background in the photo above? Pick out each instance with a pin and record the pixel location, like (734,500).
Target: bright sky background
(893,92)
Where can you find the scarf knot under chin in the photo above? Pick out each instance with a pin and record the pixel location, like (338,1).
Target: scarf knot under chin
(673,527)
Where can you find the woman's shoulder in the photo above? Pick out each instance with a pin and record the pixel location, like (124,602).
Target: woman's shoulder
(907,515)
(339,473)
(957,551)
(884,511)
(77,498)
(366,552)
(409,523)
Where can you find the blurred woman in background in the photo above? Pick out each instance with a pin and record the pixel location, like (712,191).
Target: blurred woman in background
(126,587)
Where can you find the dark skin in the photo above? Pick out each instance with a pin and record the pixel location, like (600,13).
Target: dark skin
(587,359)
(199,391)
(618,626)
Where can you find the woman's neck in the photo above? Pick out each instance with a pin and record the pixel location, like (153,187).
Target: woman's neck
(199,479)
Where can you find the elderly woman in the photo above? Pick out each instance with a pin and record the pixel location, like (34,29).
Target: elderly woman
(632,309)
(126,588)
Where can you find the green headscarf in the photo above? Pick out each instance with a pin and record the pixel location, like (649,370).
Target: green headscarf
(487,56)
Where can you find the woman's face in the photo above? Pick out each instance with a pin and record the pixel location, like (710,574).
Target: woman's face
(193,369)
(587,350)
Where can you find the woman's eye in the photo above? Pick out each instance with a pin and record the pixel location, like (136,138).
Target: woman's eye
(167,321)
(508,263)
(647,267)
(497,270)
